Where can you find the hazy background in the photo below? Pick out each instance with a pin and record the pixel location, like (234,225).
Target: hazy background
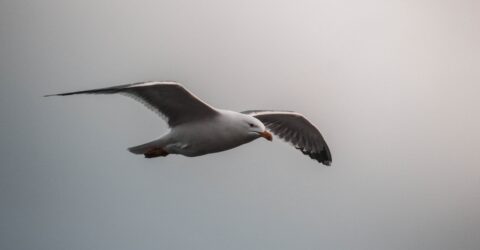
(393,86)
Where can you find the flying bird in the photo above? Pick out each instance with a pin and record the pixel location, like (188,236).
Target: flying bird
(197,128)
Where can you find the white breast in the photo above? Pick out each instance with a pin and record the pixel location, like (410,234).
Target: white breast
(209,136)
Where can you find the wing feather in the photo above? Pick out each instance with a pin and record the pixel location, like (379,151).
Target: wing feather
(170,100)
(296,130)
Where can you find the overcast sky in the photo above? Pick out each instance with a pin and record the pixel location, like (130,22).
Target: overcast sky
(393,86)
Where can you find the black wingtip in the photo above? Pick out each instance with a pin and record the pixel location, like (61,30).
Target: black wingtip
(64,94)
(326,159)
(323,157)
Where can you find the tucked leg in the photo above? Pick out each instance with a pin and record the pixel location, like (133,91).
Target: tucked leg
(155,152)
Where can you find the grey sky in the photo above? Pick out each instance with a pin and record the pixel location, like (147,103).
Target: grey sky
(393,86)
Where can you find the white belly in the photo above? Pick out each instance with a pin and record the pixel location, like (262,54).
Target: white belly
(204,138)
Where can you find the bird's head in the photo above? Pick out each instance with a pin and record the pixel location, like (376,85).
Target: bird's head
(255,127)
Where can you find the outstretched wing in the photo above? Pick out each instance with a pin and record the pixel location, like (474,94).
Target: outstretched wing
(297,130)
(169,99)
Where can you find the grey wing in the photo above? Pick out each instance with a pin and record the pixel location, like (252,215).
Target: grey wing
(297,130)
(170,99)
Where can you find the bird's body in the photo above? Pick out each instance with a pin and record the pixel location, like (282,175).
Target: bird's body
(199,137)
(196,128)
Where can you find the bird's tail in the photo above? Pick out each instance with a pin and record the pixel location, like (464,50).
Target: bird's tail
(144,148)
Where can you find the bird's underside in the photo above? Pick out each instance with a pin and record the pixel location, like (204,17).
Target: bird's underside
(198,129)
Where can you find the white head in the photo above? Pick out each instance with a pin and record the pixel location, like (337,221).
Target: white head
(255,128)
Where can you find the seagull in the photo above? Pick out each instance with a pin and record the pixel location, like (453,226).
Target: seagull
(197,128)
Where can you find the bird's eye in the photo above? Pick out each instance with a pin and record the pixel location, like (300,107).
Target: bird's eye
(251,125)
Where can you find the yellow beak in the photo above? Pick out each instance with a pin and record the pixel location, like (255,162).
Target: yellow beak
(267,135)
